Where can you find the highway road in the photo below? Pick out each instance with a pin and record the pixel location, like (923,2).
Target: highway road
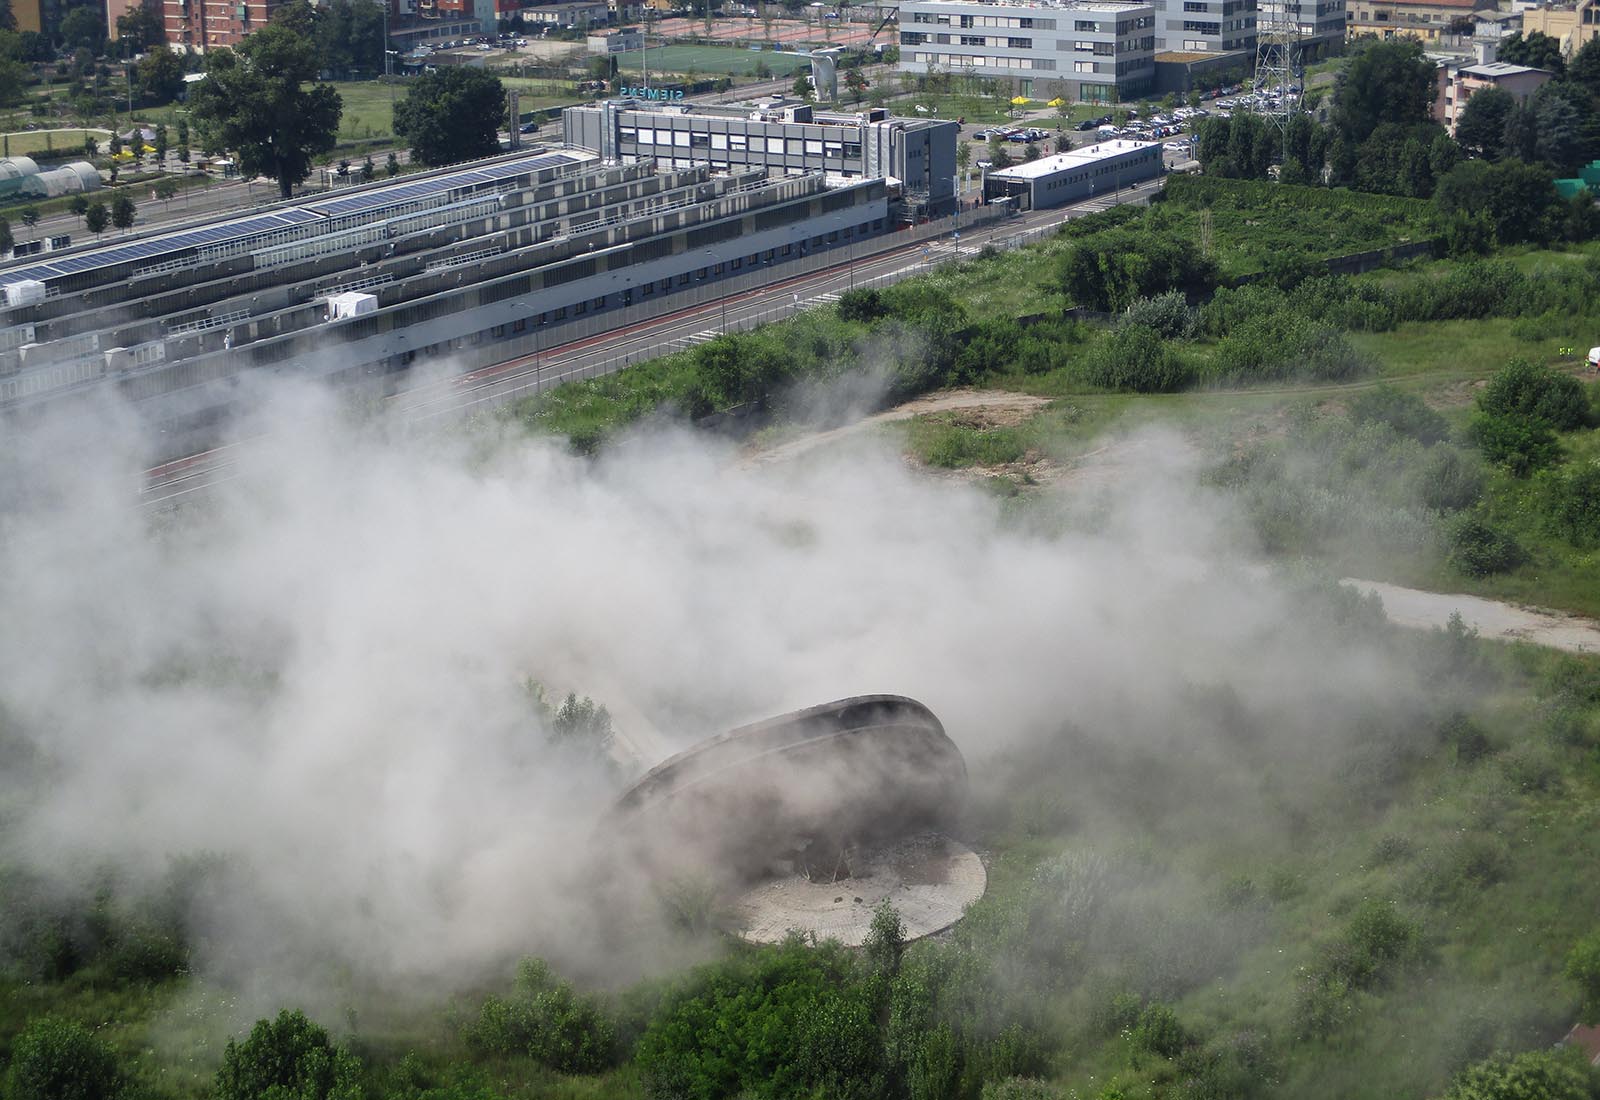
(446,400)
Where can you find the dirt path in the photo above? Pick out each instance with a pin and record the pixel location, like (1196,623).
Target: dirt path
(1491,618)
(1020,405)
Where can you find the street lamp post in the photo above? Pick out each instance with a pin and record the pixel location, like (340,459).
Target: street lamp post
(722,294)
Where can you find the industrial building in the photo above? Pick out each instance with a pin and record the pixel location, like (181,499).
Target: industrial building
(917,157)
(473,262)
(1102,169)
(1094,52)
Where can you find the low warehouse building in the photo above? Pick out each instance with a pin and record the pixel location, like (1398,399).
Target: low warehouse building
(1073,177)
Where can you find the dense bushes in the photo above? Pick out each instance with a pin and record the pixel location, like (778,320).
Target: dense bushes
(1479,550)
(1111,270)
(1404,412)
(1535,1075)
(1133,357)
(547,1020)
(1570,500)
(291,1057)
(1536,392)
(57,1059)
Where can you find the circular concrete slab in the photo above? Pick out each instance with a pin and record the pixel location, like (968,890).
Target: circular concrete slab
(929,878)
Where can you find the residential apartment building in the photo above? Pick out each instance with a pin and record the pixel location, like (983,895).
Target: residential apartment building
(1458,83)
(1093,52)
(201,25)
(1423,19)
(917,155)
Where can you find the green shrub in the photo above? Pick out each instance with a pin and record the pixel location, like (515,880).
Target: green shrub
(1519,445)
(1132,357)
(1536,392)
(1112,270)
(548,1021)
(864,305)
(1405,412)
(1478,549)
(1535,1075)
(1168,314)
(1158,1032)
(55,1059)
(1570,501)
(1582,966)
(288,1056)
(1465,738)
(1448,479)
(1020,1088)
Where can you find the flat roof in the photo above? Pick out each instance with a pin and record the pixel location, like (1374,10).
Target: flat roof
(311,209)
(1501,68)
(743,113)
(1062,162)
(1117,6)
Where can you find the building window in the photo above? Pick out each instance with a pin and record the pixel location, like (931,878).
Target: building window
(1084,25)
(1020,43)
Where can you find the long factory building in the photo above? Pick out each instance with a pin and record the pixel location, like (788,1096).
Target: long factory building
(358,283)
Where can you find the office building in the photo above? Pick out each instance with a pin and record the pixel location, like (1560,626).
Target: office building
(1092,52)
(1081,174)
(917,157)
(1321,23)
(481,262)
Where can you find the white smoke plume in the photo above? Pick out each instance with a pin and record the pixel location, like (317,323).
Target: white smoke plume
(317,673)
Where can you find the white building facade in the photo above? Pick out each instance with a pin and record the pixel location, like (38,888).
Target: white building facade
(1089,52)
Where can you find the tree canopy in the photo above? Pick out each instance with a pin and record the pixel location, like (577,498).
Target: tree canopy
(452,115)
(57,1059)
(1536,49)
(160,75)
(1536,1075)
(1388,81)
(252,101)
(290,1057)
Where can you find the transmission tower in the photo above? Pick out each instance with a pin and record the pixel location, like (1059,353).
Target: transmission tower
(1279,65)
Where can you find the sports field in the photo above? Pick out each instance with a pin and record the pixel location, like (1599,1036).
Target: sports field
(25,143)
(716,60)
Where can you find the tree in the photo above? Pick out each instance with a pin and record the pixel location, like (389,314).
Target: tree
(84,28)
(802,86)
(160,74)
(1535,1075)
(1481,126)
(29,216)
(96,217)
(289,1057)
(963,157)
(252,101)
(857,85)
(1519,199)
(1583,967)
(161,143)
(6,239)
(165,188)
(886,939)
(78,205)
(13,82)
(141,26)
(392,165)
(452,115)
(1558,122)
(1387,81)
(8,20)
(368,170)
(183,140)
(56,1059)
(122,212)
(1535,49)
(1585,66)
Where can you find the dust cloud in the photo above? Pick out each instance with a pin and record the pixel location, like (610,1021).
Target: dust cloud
(315,675)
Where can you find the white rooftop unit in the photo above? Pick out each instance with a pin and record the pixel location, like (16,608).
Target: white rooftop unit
(26,292)
(351,304)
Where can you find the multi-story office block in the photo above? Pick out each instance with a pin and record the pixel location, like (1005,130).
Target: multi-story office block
(1206,26)
(1094,52)
(917,156)
(1321,23)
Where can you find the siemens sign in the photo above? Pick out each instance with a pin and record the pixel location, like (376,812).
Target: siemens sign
(652,93)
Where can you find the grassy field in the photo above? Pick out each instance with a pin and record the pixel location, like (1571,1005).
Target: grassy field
(715,61)
(28,142)
(976,108)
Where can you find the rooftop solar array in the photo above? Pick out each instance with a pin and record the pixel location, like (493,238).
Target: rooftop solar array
(309,210)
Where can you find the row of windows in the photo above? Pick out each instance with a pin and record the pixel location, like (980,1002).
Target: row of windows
(962,61)
(683,139)
(968,22)
(984,40)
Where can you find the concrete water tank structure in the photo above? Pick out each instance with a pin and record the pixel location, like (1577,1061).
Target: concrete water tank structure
(809,820)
